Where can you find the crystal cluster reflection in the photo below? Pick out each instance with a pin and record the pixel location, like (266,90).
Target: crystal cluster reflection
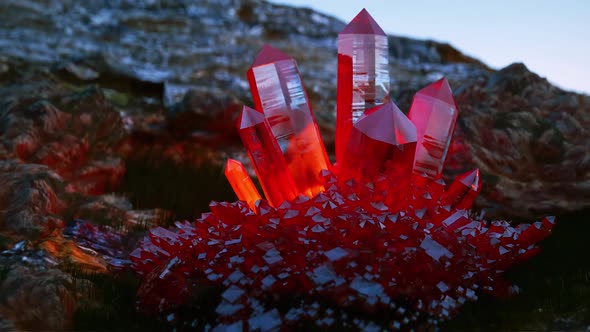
(377,241)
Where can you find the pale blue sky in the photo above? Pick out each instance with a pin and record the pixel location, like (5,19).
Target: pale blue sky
(551,37)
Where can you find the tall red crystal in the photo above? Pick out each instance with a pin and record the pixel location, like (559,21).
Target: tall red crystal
(434,113)
(278,91)
(463,191)
(381,145)
(241,183)
(266,157)
(363,74)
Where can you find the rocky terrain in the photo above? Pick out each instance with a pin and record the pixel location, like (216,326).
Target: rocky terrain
(117,115)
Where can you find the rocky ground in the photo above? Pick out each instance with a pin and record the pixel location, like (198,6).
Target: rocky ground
(117,115)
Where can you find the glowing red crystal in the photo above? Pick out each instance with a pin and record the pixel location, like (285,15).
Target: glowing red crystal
(346,251)
(434,112)
(266,157)
(463,191)
(278,91)
(381,146)
(363,74)
(241,182)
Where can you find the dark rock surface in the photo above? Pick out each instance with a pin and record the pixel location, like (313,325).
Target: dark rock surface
(131,96)
(30,201)
(73,131)
(34,293)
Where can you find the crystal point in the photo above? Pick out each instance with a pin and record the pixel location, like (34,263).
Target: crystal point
(440,90)
(386,123)
(463,191)
(269,54)
(434,113)
(266,157)
(363,74)
(278,91)
(471,179)
(363,23)
(381,145)
(241,183)
(250,118)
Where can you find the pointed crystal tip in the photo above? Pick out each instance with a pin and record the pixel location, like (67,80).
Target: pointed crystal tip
(440,90)
(232,164)
(363,24)
(470,179)
(269,54)
(388,124)
(249,117)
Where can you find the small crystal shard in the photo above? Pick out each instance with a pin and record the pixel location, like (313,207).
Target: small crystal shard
(323,274)
(268,281)
(268,321)
(336,254)
(463,191)
(228,309)
(272,256)
(235,327)
(241,182)
(366,288)
(233,293)
(435,249)
(442,286)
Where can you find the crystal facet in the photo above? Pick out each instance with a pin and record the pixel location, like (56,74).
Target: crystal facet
(266,157)
(241,182)
(463,191)
(363,74)
(381,146)
(334,247)
(434,112)
(277,90)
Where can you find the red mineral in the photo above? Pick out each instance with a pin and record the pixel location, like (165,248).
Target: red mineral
(278,92)
(463,191)
(350,251)
(381,146)
(241,183)
(384,234)
(434,113)
(363,74)
(266,157)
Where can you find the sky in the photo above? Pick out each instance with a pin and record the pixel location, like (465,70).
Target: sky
(551,37)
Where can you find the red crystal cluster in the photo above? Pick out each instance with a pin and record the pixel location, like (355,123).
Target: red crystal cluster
(379,236)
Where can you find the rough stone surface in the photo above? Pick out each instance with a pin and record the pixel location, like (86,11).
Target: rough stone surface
(29,198)
(72,132)
(34,294)
(150,53)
